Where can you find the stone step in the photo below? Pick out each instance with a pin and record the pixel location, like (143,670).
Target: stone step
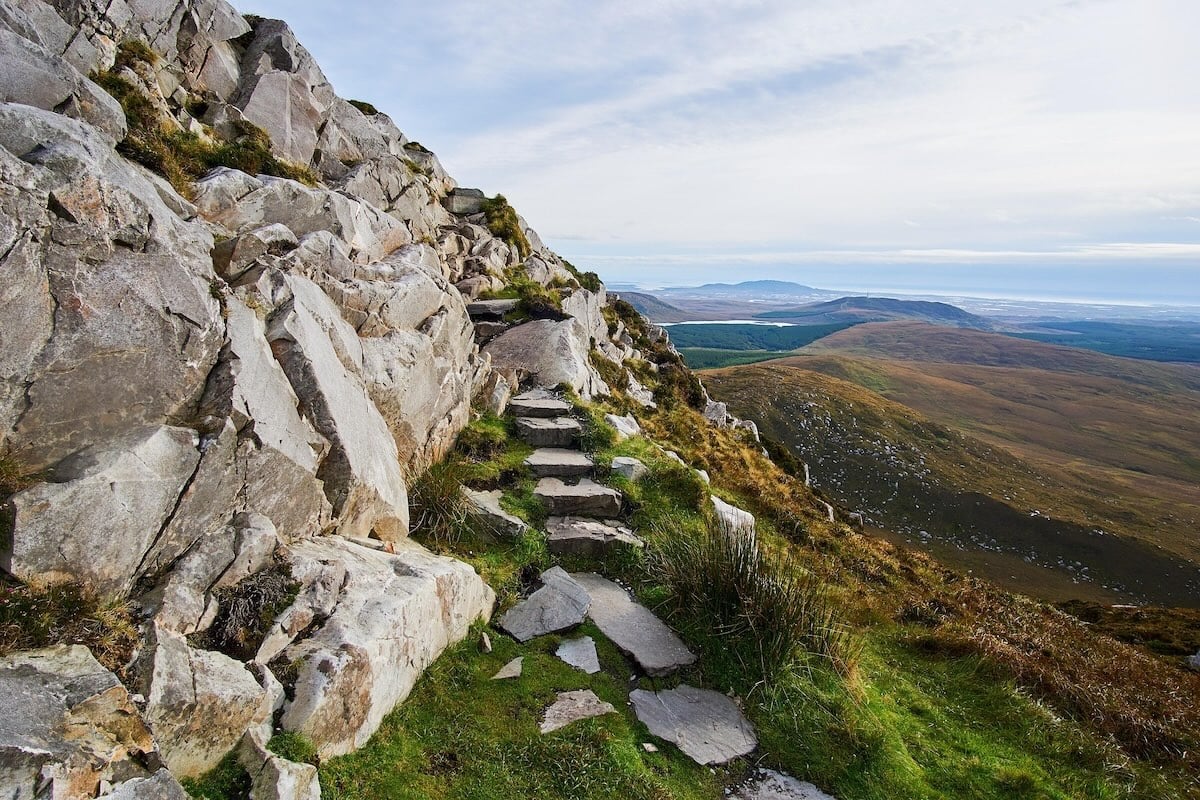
(491,309)
(485,508)
(768,784)
(524,406)
(557,462)
(586,498)
(549,432)
(593,538)
(706,725)
(633,628)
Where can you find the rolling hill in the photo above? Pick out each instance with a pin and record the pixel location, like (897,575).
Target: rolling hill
(1070,439)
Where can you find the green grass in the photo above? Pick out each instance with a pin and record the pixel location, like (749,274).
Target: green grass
(502,222)
(462,735)
(226,781)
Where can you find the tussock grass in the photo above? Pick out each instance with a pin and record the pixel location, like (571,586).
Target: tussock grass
(438,512)
(247,612)
(502,222)
(759,605)
(41,616)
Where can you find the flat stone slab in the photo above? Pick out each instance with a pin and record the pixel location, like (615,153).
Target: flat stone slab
(539,407)
(771,785)
(630,468)
(485,508)
(633,628)
(706,725)
(548,431)
(586,498)
(593,538)
(490,309)
(560,604)
(510,670)
(559,462)
(580,653)
(573,706)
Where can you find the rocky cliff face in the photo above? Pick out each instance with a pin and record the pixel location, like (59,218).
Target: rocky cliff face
(214,375)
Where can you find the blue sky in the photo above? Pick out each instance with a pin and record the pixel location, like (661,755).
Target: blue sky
(1025,147)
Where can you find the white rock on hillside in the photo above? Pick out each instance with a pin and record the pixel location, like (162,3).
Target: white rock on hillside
(362,472)
(198,702)
(108,319)
(548,353)
(95,524)
(394,614)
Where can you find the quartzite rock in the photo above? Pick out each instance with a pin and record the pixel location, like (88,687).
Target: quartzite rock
(162,785)
(542,432)
(706,725)
(573,706)
(592,538)
(731,519)
(198,702)
(273,777)
(586,498)
(629,468)
(68,723)
(95,525)
(392,615)
(549,352)
(362,471)
(558,462)
(633,628)
(626,426)
(559,605)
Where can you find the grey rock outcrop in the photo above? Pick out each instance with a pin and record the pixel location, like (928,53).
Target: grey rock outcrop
(548,353)
(198,703)
(68,724)
(629,468)
(273,777)
(625,426)
(732,520)
(391,615)
(113,499)
(162,785)
(581,536)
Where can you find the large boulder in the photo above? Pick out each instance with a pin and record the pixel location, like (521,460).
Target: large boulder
(548,352)
(199,703)
(103,282)
(95,523)
(68,724)
(35,76)
(322,357)
(393,613)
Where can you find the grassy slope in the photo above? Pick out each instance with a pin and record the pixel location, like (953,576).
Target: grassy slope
(974,501)
(924,714)
(1124,433)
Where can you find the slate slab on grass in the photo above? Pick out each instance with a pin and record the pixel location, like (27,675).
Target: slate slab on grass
(580,653)
(510,670)
(539,407)
(706,725)
(561,603)
(485,508)
(573,706)
(633,627)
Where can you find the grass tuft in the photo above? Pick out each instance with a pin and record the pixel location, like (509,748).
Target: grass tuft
(40,616)
(364,107)
(247,612)
(294,747)
(502,222)
(437,507)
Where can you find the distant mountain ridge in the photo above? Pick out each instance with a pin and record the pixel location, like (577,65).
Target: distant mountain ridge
(879,309)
